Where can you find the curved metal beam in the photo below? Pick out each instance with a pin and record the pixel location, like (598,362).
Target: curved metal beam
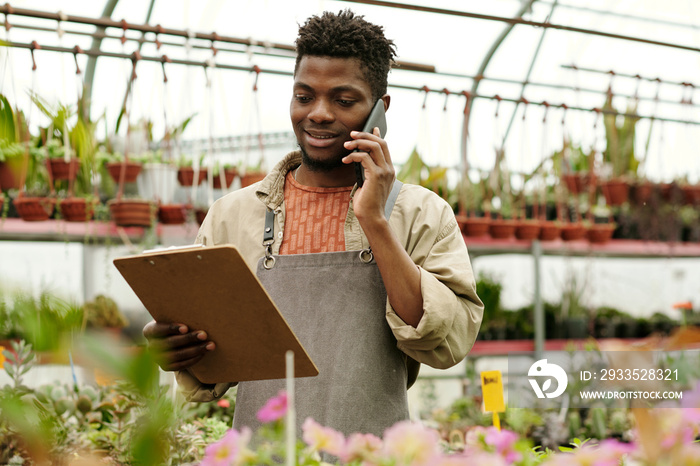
(92,61)
(526,5)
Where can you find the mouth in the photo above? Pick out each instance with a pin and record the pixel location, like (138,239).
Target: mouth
(320,138)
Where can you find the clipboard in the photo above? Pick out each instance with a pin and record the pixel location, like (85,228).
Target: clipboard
(213,289)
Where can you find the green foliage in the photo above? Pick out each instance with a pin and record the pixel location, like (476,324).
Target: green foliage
(489,290)
(415,171)
(620,138)
(103,312)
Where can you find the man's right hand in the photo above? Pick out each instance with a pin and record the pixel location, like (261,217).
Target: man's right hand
(174,346)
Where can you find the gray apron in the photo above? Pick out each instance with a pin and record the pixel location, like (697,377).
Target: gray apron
(335,303)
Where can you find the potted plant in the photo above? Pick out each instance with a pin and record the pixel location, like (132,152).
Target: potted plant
(571,164)
(103,313)
(223,176)
(619,153)
(11,147)
(186,171)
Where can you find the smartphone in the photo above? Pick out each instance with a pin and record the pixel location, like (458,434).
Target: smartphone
(377,118)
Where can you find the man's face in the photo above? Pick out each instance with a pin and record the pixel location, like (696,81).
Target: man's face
(330,99)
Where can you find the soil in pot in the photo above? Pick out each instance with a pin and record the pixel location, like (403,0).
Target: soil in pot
(77,209)
(132,171)
(502,229)
(132,212)
(34,209)
(473,226)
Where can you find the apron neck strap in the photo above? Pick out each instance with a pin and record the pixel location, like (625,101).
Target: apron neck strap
(391,200)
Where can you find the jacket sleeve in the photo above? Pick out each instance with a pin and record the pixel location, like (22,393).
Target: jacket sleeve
(194,390)
(452,311)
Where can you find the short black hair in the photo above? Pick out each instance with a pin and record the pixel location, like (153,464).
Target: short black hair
(346,35)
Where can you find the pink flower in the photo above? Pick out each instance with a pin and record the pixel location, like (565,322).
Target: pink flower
(479,458)
(223,403)
(322,438)
(608,453)
(412,444)
(503,441)
(274,409)
(362,448)
(230,450)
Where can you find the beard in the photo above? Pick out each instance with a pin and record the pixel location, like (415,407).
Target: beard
(321,165)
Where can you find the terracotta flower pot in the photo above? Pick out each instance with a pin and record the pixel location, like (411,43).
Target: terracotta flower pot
(549,231)
(575,182)
(616,191)
(691,194)
(573,231)
(132,171)
(600,233)
(34,209)
(185,176)
(251,177)
(77,209)
(642,192)
(473,226)
(229,175)
(527,230)
(62,170)
(172,214)
(200,214)
(132,212)
(502,229)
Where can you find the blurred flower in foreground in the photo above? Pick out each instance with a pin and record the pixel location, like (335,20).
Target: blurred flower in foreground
(362,448)
(411,443)
(274,409)
(321,438)
(232,449)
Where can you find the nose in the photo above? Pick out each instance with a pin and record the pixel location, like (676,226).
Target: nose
(321,112)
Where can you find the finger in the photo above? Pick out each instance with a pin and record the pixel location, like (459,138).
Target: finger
(183,358)
(155,329)
(177,341)
(383,144)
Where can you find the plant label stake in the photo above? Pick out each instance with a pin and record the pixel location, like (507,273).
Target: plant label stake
(492,391)
(290,429)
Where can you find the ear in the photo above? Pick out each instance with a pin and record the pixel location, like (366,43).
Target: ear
(387,100)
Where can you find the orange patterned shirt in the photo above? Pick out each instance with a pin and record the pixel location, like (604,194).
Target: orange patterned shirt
(314,218)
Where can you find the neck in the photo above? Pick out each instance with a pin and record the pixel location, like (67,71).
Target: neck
(335,178)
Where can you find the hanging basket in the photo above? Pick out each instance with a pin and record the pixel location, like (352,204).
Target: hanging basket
(502,229)
(575,182)
(229,175)
(62,170)
(600,233)
(549,231)
(616,191)
(77,209)
(185,176)
(691,194)
(251,177)
(527,230)
(200,214)
(642,192)
(132,212)
(473,226)
(34,209)
(573,231)
(172,214)
(132,171)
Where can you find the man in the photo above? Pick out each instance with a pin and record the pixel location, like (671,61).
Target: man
(367,320)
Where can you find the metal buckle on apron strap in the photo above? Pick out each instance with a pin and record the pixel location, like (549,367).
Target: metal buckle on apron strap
(366,255)
(268,239)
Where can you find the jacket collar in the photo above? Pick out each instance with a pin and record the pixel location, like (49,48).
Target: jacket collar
(271,189)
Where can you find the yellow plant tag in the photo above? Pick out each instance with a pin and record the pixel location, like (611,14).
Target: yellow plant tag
(492,390)
(2,358)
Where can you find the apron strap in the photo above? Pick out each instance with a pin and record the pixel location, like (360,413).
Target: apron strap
(391,200)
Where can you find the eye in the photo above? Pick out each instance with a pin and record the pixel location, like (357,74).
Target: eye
(302,98)
(346,103)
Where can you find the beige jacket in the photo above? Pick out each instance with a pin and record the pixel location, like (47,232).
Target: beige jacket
(424,224)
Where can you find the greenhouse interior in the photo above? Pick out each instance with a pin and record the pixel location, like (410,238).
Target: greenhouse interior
(556,140)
